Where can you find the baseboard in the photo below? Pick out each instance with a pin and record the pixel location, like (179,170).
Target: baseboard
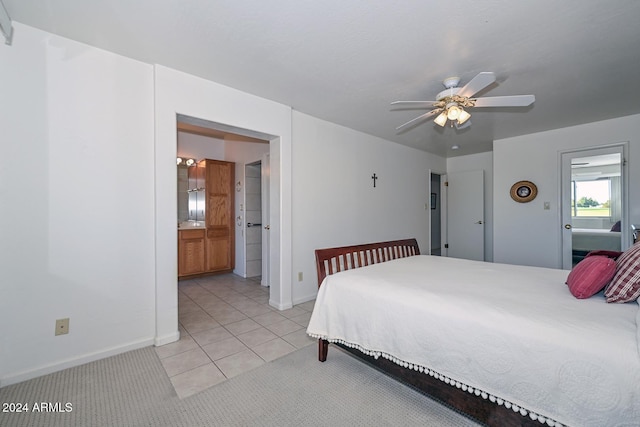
(305,298)
(70,363)
(280,306)
(298,300)
(242,274)
(166,339)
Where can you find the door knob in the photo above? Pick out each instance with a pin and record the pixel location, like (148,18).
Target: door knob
(267,227)
(478,222)
(567,226)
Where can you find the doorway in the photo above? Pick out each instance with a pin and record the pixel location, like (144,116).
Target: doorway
(248,151)
(593,193)
(435,207)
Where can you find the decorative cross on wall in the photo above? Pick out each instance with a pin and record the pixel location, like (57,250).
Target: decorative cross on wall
(374,178)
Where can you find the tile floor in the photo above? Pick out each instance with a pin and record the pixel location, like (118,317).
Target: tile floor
(226,328)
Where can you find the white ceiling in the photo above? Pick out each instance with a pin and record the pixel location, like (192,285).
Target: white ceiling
(345,60)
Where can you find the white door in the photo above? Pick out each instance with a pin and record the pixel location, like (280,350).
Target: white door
(253,219)
(464,193)
(592,191)
(266,227)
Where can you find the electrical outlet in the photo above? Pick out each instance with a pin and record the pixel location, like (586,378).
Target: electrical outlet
(62,326)
(300,276)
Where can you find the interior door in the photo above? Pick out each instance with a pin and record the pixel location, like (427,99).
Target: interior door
(464,215)
(593,202)
(266,227)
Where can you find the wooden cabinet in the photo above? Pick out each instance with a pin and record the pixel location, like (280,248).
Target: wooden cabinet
(191,252)
(211,250)
(219,215)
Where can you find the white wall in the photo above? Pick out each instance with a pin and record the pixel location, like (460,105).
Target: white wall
(245,152)
(526,234)
(200,147)
(335,203)
(474,162)
(76,222)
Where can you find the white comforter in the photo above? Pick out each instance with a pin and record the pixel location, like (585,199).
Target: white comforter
(513,334)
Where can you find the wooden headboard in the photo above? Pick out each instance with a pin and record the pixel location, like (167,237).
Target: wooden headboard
(333,260)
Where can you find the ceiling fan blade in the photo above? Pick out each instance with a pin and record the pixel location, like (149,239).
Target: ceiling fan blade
(423,116)
(417,104)
(505,101)
(477,83)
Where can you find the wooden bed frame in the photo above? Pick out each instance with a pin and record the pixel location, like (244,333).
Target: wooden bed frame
(333,260)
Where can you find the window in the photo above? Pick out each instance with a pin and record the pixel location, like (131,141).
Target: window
(591,198)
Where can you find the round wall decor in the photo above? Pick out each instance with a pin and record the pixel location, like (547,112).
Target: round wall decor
(524,191)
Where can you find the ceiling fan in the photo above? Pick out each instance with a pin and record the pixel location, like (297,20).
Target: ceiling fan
(450,104)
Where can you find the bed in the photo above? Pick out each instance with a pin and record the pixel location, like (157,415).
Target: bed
(587,239)
(505,344)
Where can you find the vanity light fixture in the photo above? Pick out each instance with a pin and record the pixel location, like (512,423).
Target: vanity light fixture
(188,162)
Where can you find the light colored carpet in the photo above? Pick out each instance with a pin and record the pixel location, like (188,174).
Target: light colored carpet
(132,389)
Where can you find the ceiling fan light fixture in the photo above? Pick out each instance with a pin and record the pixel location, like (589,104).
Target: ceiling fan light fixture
(463,117)
(453,111)
(451,102)
(441,119)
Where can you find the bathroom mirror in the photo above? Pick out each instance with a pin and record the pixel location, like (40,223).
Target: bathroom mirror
(183,195)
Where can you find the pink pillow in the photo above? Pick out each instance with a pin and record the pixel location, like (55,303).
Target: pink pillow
(625,286)
(590,276)
(608,254)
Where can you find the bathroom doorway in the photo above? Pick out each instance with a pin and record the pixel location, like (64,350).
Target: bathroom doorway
(200,139)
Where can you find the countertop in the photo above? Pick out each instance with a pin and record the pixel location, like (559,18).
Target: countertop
(191,225)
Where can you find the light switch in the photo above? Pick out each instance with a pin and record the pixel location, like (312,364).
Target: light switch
(547,206)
